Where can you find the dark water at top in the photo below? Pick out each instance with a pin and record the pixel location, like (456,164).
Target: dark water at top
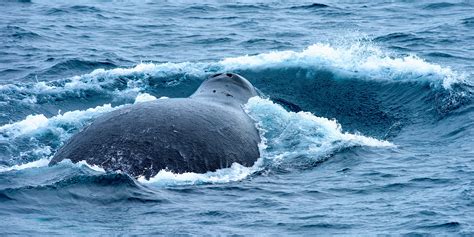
(396,76)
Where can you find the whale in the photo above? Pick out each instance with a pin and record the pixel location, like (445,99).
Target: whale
(204,132)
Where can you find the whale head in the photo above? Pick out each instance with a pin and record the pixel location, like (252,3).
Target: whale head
(227,88)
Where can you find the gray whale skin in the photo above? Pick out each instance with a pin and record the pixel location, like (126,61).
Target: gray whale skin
(207,131)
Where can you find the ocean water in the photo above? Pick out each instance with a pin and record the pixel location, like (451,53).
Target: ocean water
(367,115)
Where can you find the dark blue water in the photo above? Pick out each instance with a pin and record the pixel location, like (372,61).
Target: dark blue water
(367,118)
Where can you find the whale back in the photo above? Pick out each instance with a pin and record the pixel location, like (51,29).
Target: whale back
(202,133)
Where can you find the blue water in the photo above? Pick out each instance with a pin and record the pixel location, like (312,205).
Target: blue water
(367,118)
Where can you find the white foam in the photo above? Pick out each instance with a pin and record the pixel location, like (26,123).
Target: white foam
(301,135)
(34,164)
(44,162)
(38,123)
(149,69)
(234,173)
(29,124)
(144,97)
(76,119)
(363,59)
(92,167)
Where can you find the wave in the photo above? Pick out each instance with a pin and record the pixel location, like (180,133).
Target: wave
(468,22)
(18,1)
(247,6)
(34,164)
(85,184)
(360,60)
(294,139)
(399,37)
(81,8)
(311,6)
(72,9)
(70,67)
(20,33)
(100,82)
(440,5)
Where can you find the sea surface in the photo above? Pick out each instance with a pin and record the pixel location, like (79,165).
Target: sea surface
(366,117)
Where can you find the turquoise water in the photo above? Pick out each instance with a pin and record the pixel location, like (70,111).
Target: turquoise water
(367,115)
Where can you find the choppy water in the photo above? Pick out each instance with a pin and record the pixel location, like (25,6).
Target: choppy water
(367,121)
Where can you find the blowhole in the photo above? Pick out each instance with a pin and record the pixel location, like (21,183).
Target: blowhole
(229,74)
